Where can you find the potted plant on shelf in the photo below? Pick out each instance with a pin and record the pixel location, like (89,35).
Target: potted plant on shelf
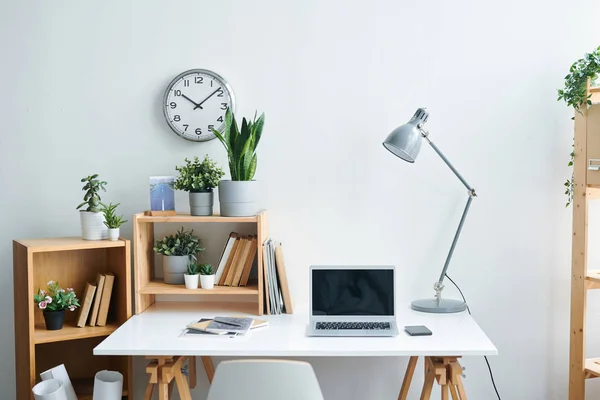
(92,218)
(112,221)
(191,278)
(53,301)
(177,251)
(207,276)
(237,196)
(199,178)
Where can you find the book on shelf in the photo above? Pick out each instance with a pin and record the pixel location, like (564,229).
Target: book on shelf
(225,255)
(249,261)
(105,299)
(239,269)
(277,293)
(86,304)
(236,260)
(227,267)
(100,278)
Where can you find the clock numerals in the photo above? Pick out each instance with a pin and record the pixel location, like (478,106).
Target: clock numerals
(223,106)
(186,82)
(198,131)
(177,118)
(173,105)
(219,92)
(210,128)
(220,119)
(199,79)
(177,93)
(185,126)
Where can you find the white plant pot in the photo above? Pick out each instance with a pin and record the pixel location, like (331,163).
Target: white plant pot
(113,234)
(191,281)
(59,372)
(207,281)
(238,198)
(108,385)
(174,267)
(50,389)
(92,226)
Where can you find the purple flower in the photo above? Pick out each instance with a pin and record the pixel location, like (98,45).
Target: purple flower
(72,308)
(42,305)
(69,289)
(42,292)
(50,283)
(61,290)
(48,300)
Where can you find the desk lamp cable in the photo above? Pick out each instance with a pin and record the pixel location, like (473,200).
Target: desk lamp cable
(485,357)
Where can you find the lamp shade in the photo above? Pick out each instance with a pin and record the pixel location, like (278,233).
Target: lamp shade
(405,140)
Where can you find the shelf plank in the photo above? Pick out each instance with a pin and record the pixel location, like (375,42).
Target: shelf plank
(180,218)
(592,279)
(67,243)
(71,332)
(592,368)
(159,287)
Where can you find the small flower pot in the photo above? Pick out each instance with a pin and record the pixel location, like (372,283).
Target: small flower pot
(173,269)
(92,225)
(54,319)
(207,281)
(201,203)
(238,198)
(191,281)
(113,234)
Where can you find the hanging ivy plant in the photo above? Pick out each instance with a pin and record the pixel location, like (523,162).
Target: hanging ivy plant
(575,94)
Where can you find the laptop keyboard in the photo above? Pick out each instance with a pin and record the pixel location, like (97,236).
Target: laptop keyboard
(352,325)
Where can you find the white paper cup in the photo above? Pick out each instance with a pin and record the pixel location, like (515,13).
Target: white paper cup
(50,389)
(60,372)
(108,385)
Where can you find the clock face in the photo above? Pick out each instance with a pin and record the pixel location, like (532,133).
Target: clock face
(195,102)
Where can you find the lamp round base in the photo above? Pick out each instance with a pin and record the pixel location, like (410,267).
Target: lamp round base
(445,306)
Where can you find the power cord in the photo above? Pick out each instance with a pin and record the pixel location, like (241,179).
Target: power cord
(485,357)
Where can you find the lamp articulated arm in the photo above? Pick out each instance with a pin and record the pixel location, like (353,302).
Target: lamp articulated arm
(439,286)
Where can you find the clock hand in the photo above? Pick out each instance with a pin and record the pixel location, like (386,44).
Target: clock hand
(209,96)
(192,101)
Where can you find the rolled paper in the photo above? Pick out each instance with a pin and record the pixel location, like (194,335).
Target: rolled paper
(60,372)
(50,389)
(108,385)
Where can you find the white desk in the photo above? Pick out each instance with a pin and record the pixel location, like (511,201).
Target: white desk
(156,332)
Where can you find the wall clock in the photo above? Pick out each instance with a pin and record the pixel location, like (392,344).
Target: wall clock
(195,102)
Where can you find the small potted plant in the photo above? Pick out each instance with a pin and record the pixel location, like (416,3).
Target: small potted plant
(237,196)
(177,250)
(191,278)
(112,221)
(199,178)
(53,301)
(92,218)
(207,276)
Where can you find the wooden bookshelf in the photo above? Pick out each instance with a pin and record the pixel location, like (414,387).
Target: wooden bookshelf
(147,286)
(71,261)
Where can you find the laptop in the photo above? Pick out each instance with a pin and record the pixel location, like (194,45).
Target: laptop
(352,301)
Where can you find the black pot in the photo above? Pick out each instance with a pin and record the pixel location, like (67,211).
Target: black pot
(54,319)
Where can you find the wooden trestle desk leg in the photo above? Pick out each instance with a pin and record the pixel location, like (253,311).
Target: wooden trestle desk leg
(209,368)
(165,372)
(447,371)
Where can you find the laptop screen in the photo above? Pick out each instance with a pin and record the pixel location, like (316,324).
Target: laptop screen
(353,292)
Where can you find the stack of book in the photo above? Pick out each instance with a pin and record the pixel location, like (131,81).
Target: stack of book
(277,292)
(224,326)
(95,303)
(237,260)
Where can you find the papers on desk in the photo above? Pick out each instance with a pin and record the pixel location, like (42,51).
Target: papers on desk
(223,327)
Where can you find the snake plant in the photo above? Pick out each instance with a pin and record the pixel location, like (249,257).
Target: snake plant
(241,145)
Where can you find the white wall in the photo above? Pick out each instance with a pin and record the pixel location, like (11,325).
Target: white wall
(81,91)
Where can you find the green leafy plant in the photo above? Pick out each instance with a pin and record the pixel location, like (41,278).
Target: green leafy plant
(92,188)
(111,220)
(241,145)
(207,269)
(54,298)
(183,243)
(192,268)
(575,94)
(198,176)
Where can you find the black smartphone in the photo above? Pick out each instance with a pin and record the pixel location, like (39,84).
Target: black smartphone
(417,330)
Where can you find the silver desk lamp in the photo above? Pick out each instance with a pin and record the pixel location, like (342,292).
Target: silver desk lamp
(405,142)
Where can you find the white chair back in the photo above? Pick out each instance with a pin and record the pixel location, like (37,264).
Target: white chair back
(264,380)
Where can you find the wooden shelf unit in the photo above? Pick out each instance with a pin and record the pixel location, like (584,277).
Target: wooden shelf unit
(586,174)
(71,262)
(147,286)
